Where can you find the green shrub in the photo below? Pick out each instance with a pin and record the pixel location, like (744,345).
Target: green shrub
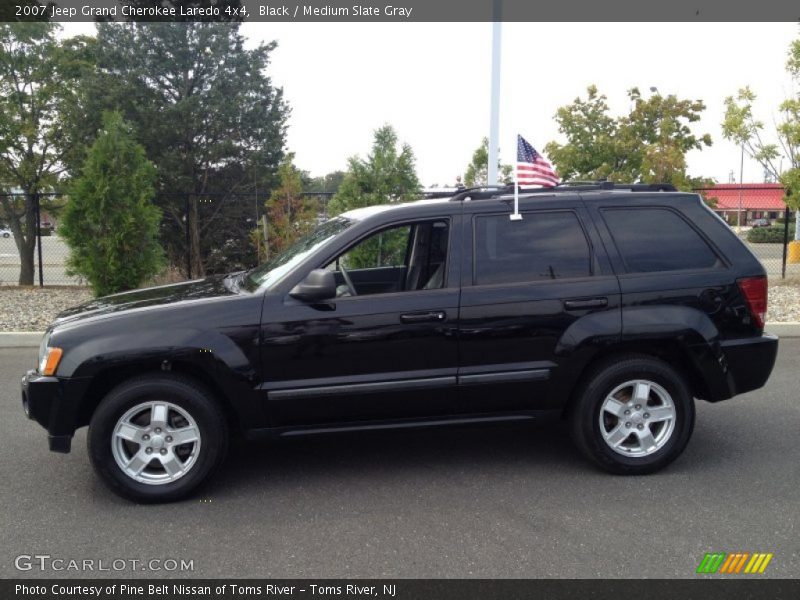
(110,222)
(769,235)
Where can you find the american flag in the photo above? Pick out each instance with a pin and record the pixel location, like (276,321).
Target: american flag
(532,167)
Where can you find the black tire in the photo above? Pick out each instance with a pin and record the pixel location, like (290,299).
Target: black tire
(183,392)
(586,414)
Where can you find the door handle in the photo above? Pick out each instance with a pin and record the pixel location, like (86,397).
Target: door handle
(584,304)
(423,317)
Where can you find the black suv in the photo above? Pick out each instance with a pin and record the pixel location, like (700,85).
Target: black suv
(614,306)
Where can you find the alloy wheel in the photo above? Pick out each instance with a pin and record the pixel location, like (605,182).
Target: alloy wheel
(156,442)
(637,418)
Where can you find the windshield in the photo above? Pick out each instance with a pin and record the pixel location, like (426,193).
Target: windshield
(267,274)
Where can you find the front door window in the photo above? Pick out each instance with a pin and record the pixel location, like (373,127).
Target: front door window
(407,257)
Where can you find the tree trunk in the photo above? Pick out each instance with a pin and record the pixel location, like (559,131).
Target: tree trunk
(26,267)
(23,226)
(195,258)
(25,238)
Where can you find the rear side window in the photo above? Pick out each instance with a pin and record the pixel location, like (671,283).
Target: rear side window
(657,239)
(544,245)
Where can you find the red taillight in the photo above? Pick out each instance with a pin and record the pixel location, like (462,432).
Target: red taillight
(754,290)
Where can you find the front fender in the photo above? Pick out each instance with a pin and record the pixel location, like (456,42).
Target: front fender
(93,354)
(217,359)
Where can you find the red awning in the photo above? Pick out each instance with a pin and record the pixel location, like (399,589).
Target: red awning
(755,196)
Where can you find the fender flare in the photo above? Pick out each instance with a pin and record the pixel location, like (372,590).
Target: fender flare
(209,352)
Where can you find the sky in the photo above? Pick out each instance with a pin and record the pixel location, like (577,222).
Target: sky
(431,81)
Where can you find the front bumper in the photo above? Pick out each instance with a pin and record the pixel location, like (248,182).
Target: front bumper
(54,403)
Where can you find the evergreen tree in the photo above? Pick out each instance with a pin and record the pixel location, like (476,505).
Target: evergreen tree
(110,222)
(209,117)
(385,176)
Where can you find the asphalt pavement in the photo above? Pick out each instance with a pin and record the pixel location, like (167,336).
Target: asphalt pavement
(500,501)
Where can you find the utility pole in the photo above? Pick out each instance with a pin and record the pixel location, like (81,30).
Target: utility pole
(741,189)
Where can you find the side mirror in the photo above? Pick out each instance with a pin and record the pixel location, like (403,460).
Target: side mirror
(318,285)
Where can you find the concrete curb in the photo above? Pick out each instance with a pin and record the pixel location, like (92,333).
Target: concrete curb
(31,339)
(20,339)
(789,329)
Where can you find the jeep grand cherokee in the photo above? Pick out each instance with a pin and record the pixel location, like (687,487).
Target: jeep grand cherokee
(613,306)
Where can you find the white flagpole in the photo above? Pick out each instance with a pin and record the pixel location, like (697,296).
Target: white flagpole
(494,117)
(516,216)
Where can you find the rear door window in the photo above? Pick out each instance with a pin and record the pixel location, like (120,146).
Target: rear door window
(658,239)
(544,245)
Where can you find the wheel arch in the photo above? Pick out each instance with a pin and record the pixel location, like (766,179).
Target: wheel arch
(111,377)
(671,351)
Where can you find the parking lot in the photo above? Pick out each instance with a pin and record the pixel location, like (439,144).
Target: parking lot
(510,501)
(54,255)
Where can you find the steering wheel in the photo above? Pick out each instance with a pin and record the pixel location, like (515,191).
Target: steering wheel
(346,276)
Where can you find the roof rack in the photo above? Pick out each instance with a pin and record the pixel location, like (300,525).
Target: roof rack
(610,185)
(485,192)
(481,191)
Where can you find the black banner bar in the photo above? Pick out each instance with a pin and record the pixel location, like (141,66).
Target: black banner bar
(733,588)
(373,11)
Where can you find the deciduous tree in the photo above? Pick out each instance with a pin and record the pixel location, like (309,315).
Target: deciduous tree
(648,144)
(741,126)
(477,173)
(289,215)
(38,77)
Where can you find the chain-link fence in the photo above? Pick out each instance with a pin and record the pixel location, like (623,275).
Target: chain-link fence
(31,250)
(759,216)
(214,233)
(200,233)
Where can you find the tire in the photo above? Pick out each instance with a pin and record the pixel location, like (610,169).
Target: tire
(124,430)
(618,441)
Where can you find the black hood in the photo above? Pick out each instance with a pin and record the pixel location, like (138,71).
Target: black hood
(209,287)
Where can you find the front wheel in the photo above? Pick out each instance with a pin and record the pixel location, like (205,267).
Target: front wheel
(633,416)
(157,438)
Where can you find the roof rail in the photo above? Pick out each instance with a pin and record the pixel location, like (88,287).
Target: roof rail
(482,192)
(492,191)
(611,185)
(481,189)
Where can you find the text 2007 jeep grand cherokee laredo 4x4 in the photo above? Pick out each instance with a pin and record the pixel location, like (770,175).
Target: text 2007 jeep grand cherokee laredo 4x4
(615,306)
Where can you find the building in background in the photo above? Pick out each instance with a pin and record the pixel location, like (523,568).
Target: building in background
(758,201)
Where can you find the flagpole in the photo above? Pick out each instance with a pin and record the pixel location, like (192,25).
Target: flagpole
(494,117)
(516,216)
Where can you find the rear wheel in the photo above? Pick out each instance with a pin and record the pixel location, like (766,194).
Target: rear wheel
(157,438)
(633,416)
